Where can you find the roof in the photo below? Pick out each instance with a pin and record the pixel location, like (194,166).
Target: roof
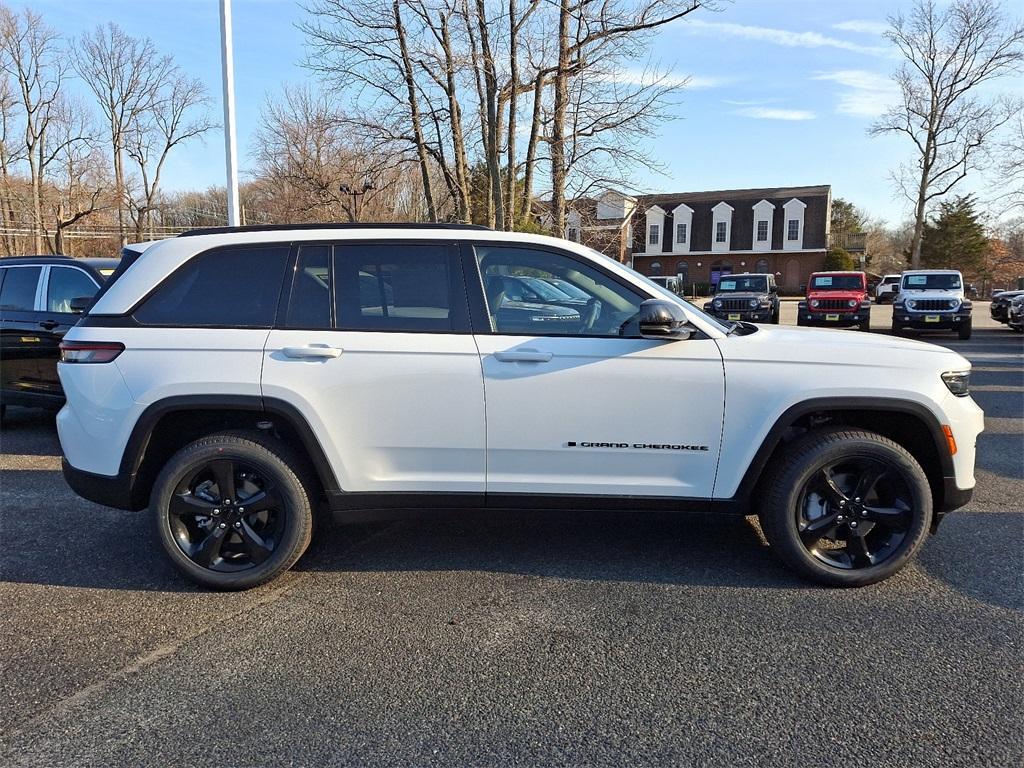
(328,225)
(755,194)
(931,271)
(8,261)
(839,272)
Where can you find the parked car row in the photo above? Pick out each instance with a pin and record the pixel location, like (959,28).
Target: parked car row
(926,299)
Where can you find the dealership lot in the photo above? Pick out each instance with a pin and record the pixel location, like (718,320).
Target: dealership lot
(532,638)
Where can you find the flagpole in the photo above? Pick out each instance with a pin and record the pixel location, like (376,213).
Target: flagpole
(230,144)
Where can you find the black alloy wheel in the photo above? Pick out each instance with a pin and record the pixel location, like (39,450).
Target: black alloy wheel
(227,516)
(845,507)
(233,510)
(855,513)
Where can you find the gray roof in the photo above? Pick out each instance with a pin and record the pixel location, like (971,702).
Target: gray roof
(755,194)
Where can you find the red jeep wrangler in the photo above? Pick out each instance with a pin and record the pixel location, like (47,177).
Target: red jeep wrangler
(838,299)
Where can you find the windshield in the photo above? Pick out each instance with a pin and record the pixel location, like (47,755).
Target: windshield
(743,284)
(942,282)
(545,290)
(568,289)
(837,283)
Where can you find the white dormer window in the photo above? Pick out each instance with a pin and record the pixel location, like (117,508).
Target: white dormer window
(722,226)
(794,218)
(764,213)
(655,229)
(682,218)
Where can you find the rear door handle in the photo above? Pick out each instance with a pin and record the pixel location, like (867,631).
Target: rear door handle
(49,324)
(312,351)
(523,356)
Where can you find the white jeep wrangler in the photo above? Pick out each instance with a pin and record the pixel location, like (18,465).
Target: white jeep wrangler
(238,381)
(932,300)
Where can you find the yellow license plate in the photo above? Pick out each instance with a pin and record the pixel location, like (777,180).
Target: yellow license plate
(832,317)
(931,318)
(734,315)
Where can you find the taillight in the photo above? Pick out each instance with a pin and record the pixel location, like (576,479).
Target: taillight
(89,351)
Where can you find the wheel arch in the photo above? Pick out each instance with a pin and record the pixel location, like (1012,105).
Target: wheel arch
(168,424)
(906,422)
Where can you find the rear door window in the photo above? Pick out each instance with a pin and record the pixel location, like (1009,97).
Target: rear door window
(309,302)
(65,284)
(411,287)
(18,293)
(233,287)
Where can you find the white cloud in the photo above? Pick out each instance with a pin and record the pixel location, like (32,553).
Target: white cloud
(769,113)
(750,102)
(634,76)
(782,37)
(863,26)
(866,94)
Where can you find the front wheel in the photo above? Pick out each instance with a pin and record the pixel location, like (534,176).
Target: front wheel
(964,333)
(232,511)
(865,325)
(846,508)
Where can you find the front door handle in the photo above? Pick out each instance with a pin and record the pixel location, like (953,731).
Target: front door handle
(49,324)
(320,351)
(523,356)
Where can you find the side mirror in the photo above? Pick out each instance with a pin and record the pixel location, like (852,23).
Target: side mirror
(660,319)
(80,303)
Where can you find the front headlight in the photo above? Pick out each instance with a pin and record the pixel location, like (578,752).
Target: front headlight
(815,302)
(958,382)
(954,303)
(754,303)
(852,303)
(717,303)
(911,303)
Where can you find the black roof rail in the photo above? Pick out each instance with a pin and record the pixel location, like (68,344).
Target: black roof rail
(368,225)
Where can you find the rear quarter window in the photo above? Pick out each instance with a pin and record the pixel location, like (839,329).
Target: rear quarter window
(224,287)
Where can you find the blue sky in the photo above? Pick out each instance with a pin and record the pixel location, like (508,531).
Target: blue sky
(781,92)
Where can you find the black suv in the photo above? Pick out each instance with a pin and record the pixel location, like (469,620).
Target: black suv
(41,297)
(751,297)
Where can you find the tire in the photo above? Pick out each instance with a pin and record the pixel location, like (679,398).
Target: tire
(247,547)
(865,326)
(898,329)
(776,315)
(890,528)
(964,332)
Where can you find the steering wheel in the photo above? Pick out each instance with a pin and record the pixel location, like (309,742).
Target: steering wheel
(590,314)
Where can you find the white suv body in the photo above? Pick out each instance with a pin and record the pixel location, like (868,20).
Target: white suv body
(887,288)
(932,299)
(475,400)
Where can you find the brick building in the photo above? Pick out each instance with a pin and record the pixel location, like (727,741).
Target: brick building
(703,235)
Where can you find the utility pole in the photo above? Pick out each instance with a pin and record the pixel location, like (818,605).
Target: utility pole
(230,150)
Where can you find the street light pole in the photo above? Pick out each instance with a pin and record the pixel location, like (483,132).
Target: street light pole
(228,71)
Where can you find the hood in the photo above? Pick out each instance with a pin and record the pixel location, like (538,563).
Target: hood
(740,295)
(860,294)
(933,293)
(839,347)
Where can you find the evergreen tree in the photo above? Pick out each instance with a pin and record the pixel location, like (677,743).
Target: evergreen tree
(955,238)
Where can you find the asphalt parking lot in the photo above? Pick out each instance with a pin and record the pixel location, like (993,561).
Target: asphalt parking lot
(528,639)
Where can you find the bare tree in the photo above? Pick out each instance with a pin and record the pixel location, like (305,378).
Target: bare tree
(154,133)
(1010,167)
(595,33)
(32,56)
(77,186)
(951,53)
(126,74)
(10,155)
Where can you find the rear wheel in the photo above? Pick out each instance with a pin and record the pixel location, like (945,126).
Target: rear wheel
(232,511)
(965,331)
(846,508)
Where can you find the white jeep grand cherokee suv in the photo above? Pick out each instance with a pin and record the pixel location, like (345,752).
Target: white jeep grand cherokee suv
(237,382)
